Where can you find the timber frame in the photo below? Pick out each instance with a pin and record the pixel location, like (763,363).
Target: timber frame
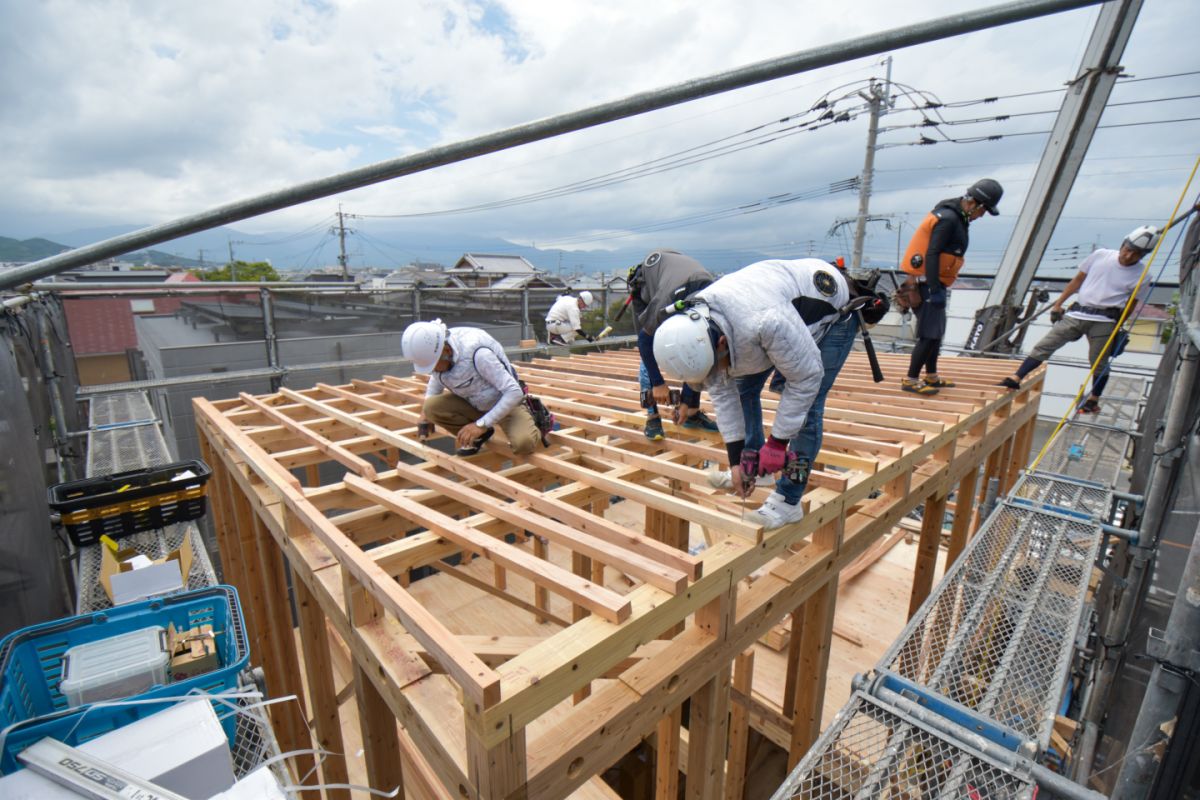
(475,710)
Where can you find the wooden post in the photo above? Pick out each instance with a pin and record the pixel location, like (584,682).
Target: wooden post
(666,764)
(321,690)
(581,565)
(739,727)
(498,772)
(964,510)
(708,725)
(927,551)
(541,596)
(815,633)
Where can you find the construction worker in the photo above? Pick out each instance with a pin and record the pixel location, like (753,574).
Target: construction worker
(835,341)
(741,327)
(662,278)
(934,257)
(472,387)
(563,320)
(1105,282)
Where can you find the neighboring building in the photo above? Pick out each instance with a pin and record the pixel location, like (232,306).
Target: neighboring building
(103,335)
(481,270)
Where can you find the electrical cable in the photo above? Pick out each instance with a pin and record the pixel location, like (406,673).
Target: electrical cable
(1120,322)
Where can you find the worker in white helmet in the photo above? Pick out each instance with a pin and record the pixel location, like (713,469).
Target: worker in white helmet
(1105,282)
(729,338)
(472,387)
(564,321)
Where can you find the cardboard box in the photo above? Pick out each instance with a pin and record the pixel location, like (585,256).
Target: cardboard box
(193,651)
(182,748)
(127,577)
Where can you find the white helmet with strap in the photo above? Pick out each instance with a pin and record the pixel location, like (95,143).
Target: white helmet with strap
(1142,238)
(682,346)
(586,297)
(422,344)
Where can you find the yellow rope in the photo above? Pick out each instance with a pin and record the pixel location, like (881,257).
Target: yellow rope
(1116,328)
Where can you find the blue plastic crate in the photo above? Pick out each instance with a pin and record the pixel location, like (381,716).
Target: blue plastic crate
(31,668)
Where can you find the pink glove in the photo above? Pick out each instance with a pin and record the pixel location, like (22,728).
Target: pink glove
(771,458)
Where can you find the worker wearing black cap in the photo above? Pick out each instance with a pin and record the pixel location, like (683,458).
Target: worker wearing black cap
(934,257)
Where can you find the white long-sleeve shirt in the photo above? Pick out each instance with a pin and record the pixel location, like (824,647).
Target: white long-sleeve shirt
(564,315)
(481,374)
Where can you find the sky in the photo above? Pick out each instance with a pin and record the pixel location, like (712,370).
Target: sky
(135,113)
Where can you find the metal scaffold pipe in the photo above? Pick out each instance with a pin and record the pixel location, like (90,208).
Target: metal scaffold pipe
(741,77)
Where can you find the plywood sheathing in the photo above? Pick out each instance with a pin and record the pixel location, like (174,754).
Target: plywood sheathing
(476,707)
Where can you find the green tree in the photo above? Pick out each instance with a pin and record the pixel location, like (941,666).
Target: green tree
(249,271)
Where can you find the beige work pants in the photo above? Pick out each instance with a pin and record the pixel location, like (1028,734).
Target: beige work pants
(452,412)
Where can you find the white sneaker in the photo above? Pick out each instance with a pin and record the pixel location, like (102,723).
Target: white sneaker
(720,479)
(775,512)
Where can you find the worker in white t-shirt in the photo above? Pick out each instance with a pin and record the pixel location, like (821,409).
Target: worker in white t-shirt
(564,321)
(1105,281)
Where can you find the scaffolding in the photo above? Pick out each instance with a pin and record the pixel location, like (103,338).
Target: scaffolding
(964,702)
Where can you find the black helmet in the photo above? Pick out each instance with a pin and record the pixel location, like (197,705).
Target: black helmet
(987,193)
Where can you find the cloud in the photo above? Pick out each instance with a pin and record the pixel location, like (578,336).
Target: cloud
(121,112)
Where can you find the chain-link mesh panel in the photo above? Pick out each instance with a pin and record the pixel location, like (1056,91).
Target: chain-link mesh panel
(1063,493)
(997,633)
(871,751)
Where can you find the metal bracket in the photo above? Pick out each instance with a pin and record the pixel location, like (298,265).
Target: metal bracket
(1158,648)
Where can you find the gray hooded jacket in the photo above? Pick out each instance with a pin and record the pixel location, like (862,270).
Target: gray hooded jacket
(754,308)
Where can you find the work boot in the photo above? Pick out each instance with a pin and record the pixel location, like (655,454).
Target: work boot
(1009,383)
(554,338)
(917,386)
(477,445)
(938,382)
(721,479)
(700,421)
(654,429)
(1090,406)
(775,512)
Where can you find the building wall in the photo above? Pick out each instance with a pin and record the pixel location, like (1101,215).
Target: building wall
(111,368)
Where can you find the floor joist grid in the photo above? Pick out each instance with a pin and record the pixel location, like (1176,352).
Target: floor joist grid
(492,715)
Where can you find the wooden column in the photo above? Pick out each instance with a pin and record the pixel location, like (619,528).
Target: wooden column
(739,727)
(666,764)
(964,510)
(322,692)
(927,551)
(708,726)
(541,596)
(582,566)
(498,772)
(815,631)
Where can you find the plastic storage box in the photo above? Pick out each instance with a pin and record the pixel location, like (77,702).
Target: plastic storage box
(125,503)
(120,666)
(32,704)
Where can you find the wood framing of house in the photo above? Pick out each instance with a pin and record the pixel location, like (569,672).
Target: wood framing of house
(493,715)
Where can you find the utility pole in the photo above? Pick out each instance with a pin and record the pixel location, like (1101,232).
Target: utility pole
(201,259)
(877,99)
(341,232)
(232,262)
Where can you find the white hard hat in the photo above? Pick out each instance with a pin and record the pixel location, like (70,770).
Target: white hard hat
(682,346)
(586,297)
(422,344)
(1143,238)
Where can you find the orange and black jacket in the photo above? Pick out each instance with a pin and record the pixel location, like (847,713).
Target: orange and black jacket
(937,248)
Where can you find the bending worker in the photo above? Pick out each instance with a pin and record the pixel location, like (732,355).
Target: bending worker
(1105,282)
(662,278)
(472,387)
(742,326)
(934,257)
(563,320)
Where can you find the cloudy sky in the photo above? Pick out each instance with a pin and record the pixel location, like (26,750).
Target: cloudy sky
(134,113)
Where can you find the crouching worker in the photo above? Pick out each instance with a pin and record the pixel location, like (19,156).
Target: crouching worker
(664,277)
(742,326)
(1105,281)
(564,321)
(472,387)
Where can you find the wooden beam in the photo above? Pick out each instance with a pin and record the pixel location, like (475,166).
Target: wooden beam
(328,447)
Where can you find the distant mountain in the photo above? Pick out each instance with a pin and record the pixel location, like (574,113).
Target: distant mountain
(29,249)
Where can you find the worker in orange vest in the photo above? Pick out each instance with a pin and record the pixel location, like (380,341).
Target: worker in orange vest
(934,257)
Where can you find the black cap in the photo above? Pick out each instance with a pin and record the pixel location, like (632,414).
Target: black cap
(987,193)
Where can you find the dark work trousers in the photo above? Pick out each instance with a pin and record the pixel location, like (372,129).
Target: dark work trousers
(931,328)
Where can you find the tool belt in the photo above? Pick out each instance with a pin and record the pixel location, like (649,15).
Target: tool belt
(1112,312)
(907,296)
(543,420)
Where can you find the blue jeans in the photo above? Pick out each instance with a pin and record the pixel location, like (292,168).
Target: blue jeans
(835,348)
(688,397)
